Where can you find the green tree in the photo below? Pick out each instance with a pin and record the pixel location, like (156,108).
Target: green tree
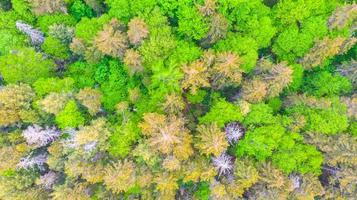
(315,84)
(45,86)
(70,116)
(191,23)
(222,112)
(79,9)
(261,142)
(245,46)
(55,48)
(25,65)
(251,18)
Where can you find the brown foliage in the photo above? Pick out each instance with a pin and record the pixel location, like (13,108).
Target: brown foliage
(15,102)
(342,16)
(196,76)
(218,30)
(54,102)
(91,99)
(211,140)
(278,78)
(254,90)
(133,60)
(208,8)
(138,31)
(120,177)
(167,135)
(326,48)
(112,41)
(173,104)
(41,7)
(226,70)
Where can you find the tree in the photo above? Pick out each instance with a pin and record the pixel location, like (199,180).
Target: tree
(244,46)
(260,142)
(329,119)
(218,29)
(62,32)
(25,66)
(55,48)
(92,138)
(137,31)
(173,104)
(15,101)
(79,9)
(221,113)
(279,77)
(208,8)
(342,16)
(251,18)
(234,132)
(122,140)
(167,135)
(37,136)
(40,7)
(325,49)
(191,23)
(87,29)
(112,41)
(133,61)
(338,85)
(91,99)
(97,5)
(36,36)
(211,140)
(120,177)
(349,70)
(254,90)
(196,76)
(71,191)
(44,86)
(223,164)
(226,71)
(54,102)
(70,116)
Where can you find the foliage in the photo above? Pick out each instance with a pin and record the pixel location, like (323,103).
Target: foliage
(327,120)
(121,141)
(70,116)
(40,7)
(14,102)
(260,142)
(44,86)
(222,112)
(211,140)
(191,23)
(91,99)
(338,85)
(79,9)
(25,66)
(55,48)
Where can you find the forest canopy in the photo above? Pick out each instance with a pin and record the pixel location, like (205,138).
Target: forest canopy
(178,99)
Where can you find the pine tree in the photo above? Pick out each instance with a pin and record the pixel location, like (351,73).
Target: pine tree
(196,76)
(211,140)
(167,135)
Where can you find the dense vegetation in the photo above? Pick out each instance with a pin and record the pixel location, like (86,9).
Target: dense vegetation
(178,99)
